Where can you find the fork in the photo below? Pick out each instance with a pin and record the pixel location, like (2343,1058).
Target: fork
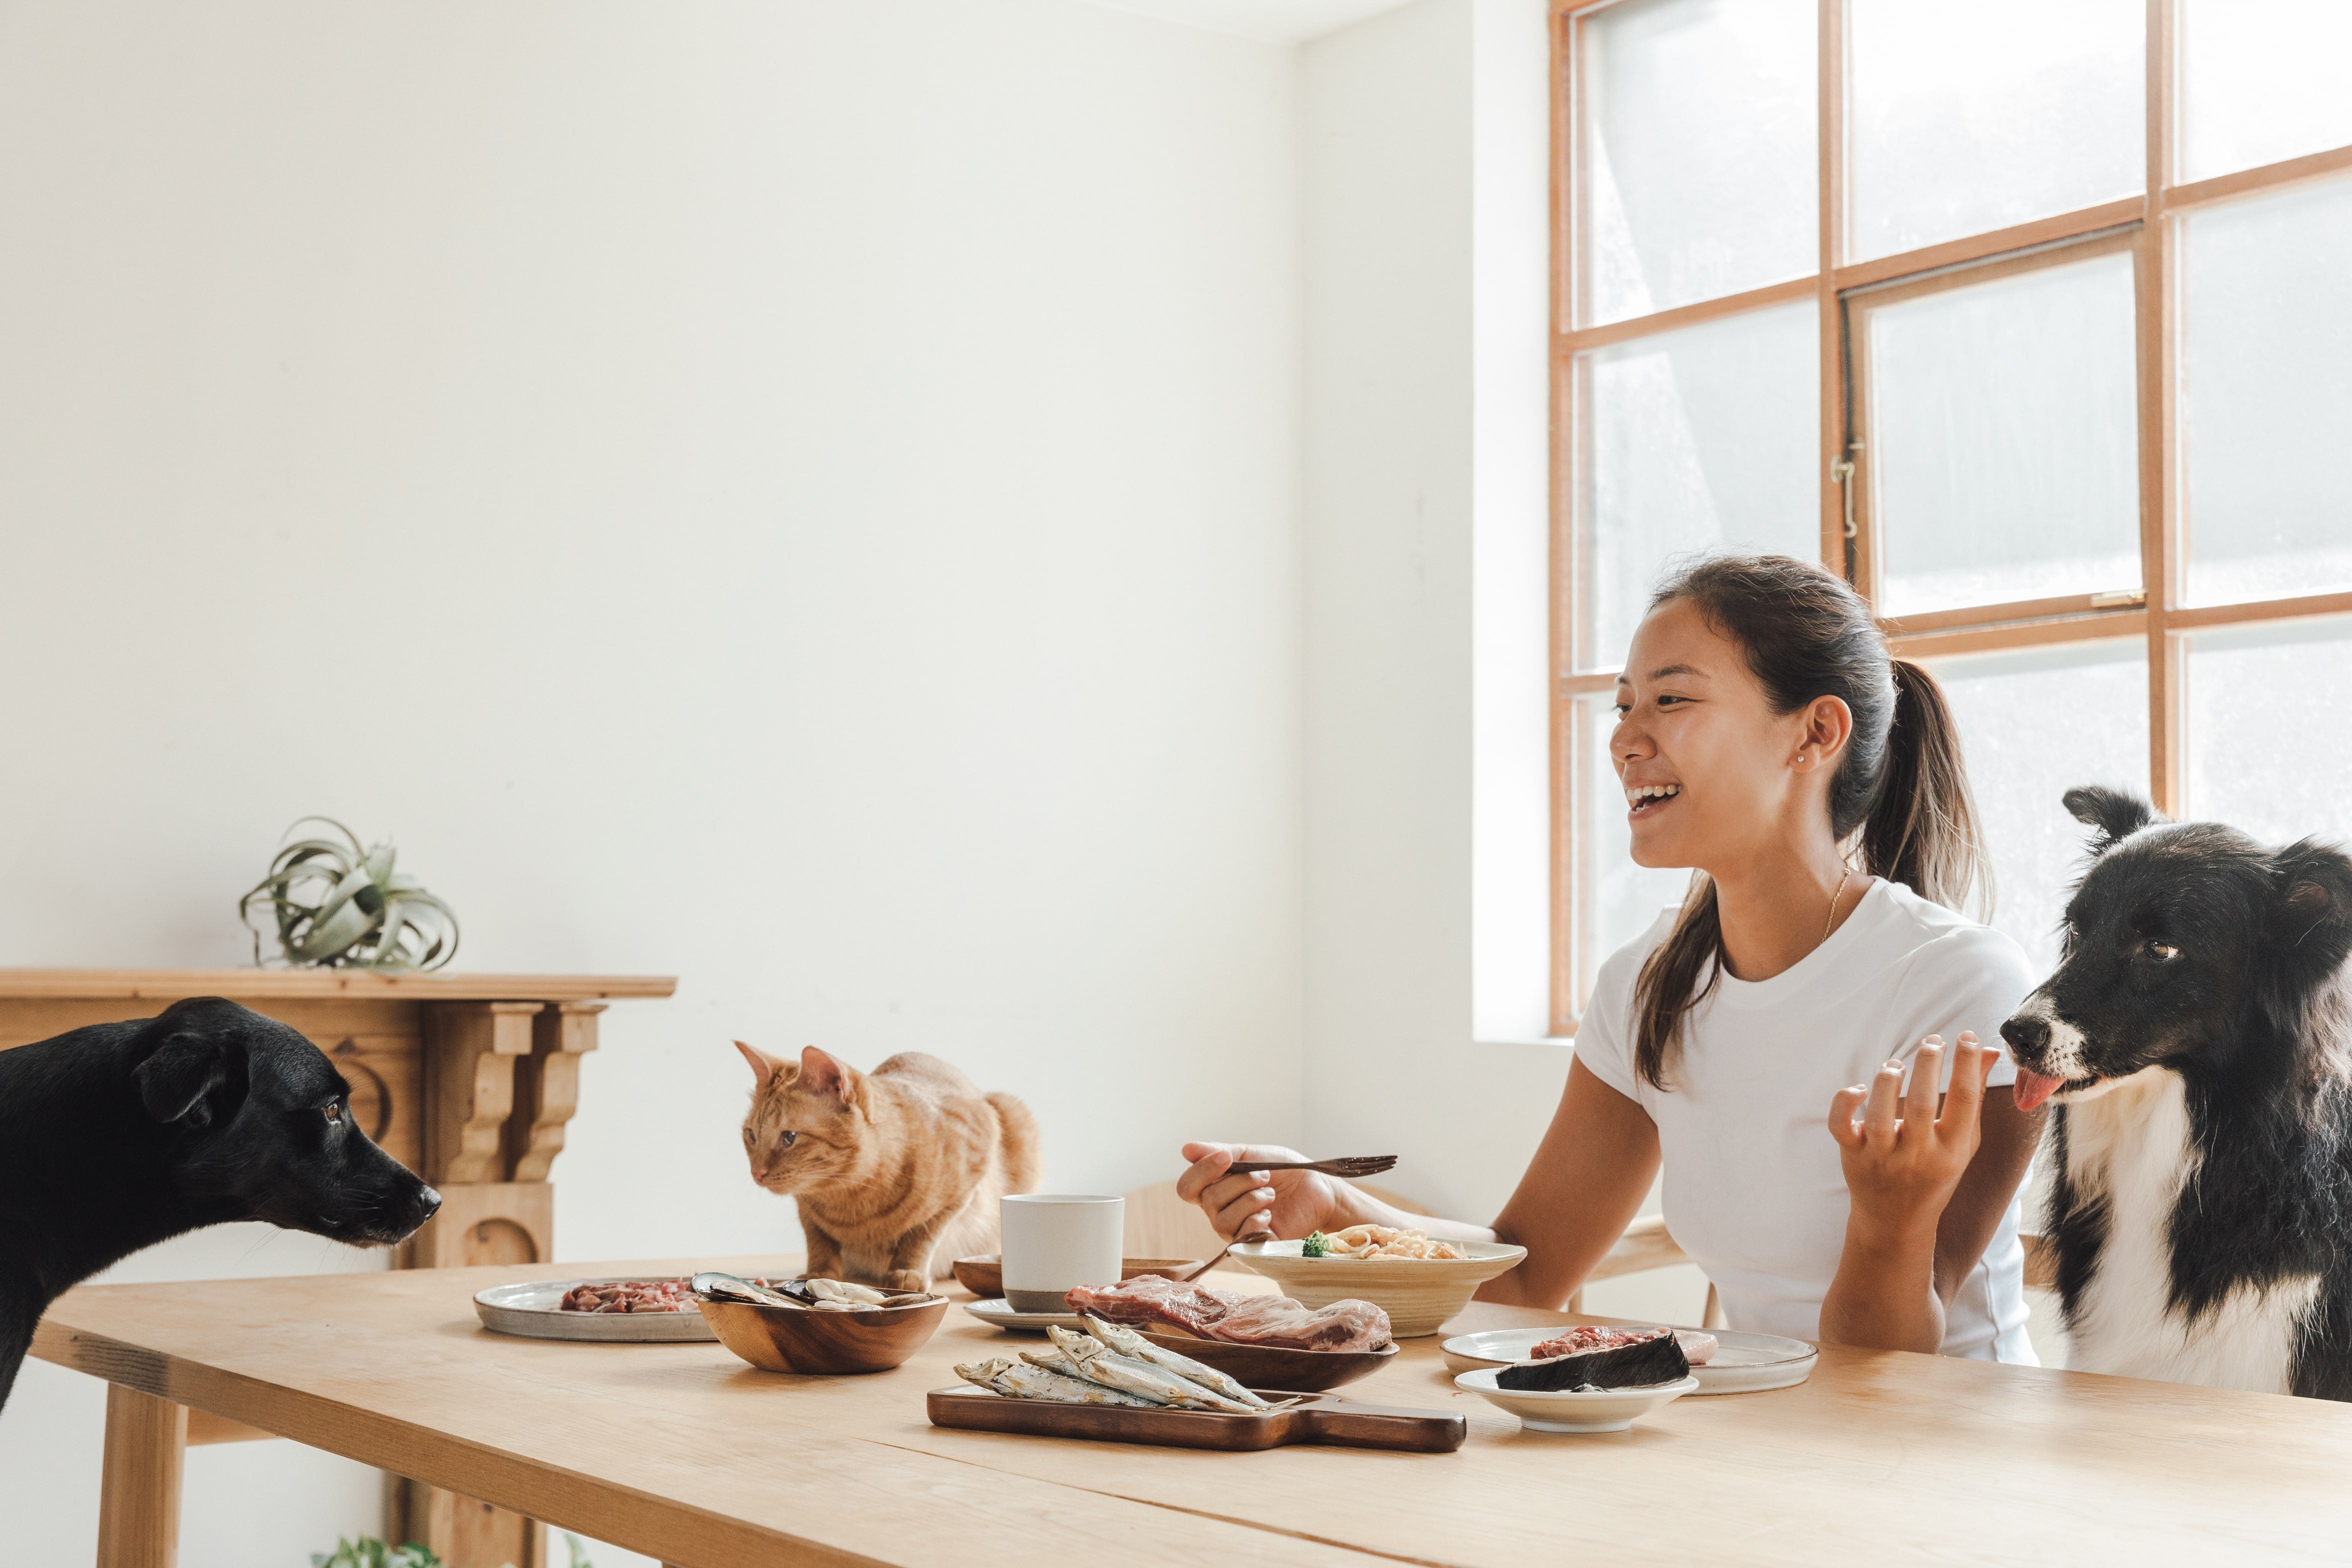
(1220,1258)
(1348,1165)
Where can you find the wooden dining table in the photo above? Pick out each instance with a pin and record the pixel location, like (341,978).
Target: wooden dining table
(689,1455)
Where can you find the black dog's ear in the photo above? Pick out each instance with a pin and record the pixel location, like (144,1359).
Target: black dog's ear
(2310,932)
(2117,816)
(174,1082)
(2315,901)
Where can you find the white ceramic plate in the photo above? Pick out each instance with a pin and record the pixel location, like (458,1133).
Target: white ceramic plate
(1419,1294)
(532,1310)
(998,1313)
(1742,1364)
(1611,1410)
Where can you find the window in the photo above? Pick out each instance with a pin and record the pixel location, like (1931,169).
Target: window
(2025,318)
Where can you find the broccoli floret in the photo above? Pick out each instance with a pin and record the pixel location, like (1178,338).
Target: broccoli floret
(1314,1246)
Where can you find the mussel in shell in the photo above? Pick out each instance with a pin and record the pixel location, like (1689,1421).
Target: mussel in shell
(812,1295)
(716,1287)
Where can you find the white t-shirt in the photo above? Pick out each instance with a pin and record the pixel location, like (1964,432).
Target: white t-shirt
(1754,1191)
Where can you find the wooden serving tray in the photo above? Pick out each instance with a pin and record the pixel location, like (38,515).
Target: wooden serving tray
(1316,1418)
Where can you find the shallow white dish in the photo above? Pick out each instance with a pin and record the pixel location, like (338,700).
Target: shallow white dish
(1742,1364)
(1611,1410)
(1419,1294)
(532,1310)
(998,1313)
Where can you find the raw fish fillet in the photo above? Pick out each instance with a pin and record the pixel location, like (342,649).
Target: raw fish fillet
(1585,1338)
(1276,1320)
(1655,1360)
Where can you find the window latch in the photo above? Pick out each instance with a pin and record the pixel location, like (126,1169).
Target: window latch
(1841,475)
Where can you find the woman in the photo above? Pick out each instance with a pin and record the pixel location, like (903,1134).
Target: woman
(1766,739)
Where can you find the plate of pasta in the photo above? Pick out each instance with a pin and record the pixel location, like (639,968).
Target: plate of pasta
(1419,1281)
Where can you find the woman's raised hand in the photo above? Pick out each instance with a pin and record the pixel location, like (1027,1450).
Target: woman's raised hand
(1903,1158)
(1287,1202)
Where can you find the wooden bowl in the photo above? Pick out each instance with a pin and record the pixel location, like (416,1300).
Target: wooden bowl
(1417,1293)
(1269,1366)
(822,1345)
(984,1275)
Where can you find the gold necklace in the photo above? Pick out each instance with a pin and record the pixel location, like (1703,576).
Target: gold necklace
(1832,922)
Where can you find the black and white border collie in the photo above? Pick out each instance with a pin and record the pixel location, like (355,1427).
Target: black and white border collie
(2194,1042)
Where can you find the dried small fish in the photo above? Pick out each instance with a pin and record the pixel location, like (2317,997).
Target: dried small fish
(1134,1346)
(1014,1381)
(1101,1365)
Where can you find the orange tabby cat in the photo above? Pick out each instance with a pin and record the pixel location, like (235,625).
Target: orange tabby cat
(897,1172)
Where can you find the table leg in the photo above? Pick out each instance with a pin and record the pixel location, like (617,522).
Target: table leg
(139,1499)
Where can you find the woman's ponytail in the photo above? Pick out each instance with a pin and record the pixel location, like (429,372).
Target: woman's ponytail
(1921,828)
(1899,801)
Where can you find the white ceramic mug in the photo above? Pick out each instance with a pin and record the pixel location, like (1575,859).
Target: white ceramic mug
(1053,1241)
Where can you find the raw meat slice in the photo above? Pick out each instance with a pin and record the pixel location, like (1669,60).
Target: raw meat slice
(1276,1320)
(1149,1298)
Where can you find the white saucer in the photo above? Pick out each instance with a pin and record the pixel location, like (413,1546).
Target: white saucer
(998,1313)
(1742,1364)
(1610,1410)
(532,1311)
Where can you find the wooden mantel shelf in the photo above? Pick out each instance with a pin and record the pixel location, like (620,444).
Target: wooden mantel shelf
(321,984)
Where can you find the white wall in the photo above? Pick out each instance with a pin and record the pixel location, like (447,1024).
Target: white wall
(799,496)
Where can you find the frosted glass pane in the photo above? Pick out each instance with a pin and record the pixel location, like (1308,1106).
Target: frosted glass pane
(2035,725)
(1970,118)
(1706,440)
(2003,439)
(1701,170)
(1623,897)
(2266,401)
(2268,749)
(2261,81)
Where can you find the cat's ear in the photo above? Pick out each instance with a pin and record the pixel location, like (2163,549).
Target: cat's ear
(765,1066)
(820,1074)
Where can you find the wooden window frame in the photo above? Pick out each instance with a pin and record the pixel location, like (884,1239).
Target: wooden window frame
(2147,225)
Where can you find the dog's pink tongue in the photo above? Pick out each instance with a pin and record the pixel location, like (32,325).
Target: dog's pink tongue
(2033,1088)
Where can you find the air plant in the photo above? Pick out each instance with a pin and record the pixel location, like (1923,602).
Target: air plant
(339,905)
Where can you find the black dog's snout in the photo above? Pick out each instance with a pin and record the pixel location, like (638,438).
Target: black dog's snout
(2026,1033)
(428,1203)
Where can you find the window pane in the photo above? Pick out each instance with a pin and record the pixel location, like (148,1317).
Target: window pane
(2035,725)
(1621,897)
(1699,152)
(2267,751)
(2264,399)
(2261,81)
(1970,118)
(2003,439)
(1702,439)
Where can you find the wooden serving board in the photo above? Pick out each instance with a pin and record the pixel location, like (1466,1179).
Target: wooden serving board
(1314,1418)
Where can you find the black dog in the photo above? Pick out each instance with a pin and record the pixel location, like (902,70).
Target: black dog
(2197,1040)
(121,1135)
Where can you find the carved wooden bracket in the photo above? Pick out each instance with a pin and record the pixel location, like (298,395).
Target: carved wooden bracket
(469,1086)
(547,1087)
